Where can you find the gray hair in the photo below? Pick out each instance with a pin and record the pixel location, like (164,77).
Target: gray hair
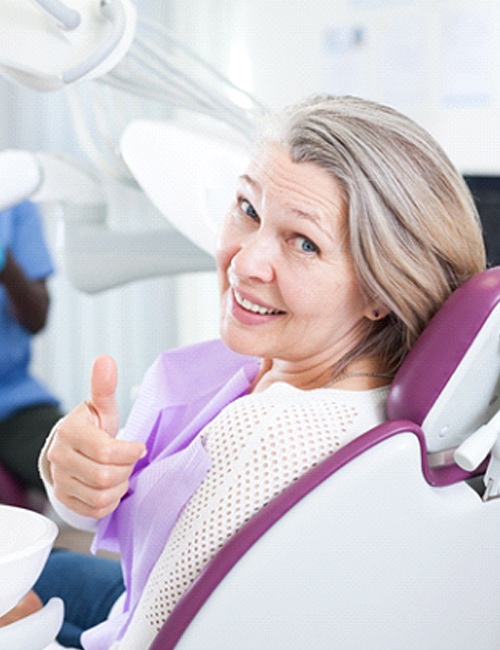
(414,232)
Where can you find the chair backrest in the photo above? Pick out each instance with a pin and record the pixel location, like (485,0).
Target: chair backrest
(452,370)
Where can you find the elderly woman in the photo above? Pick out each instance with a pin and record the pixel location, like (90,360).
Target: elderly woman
(348,230)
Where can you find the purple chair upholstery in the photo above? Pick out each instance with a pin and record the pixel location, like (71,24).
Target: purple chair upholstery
(12,492)
(416,388)
(432,362)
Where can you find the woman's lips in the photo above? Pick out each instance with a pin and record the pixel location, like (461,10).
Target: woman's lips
(254,307)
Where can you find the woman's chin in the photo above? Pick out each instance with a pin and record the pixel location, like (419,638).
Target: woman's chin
(242,342)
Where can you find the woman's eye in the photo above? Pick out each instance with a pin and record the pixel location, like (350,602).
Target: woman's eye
(248,209)
(306,245)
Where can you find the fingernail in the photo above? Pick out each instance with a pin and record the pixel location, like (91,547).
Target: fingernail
(94,412)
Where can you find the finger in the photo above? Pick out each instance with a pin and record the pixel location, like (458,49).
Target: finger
(79,446)
(97,487)
(80,470)
(103,383)
(111,451)
(87,487)
(91,503)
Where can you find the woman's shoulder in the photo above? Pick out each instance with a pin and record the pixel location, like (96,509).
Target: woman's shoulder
(358,409)
(325,404)
(328,394)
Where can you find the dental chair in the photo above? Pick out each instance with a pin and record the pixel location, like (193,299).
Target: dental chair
(389,543)
(12,492)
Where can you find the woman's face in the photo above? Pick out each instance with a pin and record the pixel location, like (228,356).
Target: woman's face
(287,284)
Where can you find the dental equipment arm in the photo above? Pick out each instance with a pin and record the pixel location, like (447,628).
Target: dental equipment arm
(113,11)
(95,38)
(43,177)
(96,256)
(67,17)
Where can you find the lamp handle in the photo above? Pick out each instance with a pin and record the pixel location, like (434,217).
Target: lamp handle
(67,17)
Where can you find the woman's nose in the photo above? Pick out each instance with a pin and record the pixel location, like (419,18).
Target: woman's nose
(255,259)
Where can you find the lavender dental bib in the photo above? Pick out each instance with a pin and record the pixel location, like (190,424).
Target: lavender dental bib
(181,393)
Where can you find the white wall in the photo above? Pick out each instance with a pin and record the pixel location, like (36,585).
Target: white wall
(437,60)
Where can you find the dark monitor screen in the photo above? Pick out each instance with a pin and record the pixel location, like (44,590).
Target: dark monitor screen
(486,193)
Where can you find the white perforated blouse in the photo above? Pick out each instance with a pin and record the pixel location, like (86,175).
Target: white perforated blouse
(258,445)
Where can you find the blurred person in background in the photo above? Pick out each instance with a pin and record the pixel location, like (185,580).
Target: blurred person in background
(28,410)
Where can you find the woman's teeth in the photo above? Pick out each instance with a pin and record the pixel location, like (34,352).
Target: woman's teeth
(250,306)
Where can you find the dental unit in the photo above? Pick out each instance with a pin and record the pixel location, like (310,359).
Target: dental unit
(394,544)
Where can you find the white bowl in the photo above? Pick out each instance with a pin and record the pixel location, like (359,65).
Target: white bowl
(26,538)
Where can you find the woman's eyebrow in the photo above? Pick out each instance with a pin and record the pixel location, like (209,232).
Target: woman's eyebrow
(300,214)
(313,218)
(247,179)
(253,185)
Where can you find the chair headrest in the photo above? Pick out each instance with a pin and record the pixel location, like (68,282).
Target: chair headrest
(449,384)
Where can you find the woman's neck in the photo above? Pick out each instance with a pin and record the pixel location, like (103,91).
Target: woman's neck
(363,374)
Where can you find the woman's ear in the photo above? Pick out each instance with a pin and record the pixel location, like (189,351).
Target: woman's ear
(376,312)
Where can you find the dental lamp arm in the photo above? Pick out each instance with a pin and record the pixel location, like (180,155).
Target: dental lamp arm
(113,11)
(68,18)
(96,257)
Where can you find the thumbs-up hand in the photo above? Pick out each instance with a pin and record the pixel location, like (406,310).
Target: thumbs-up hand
(89,467)
(102,404)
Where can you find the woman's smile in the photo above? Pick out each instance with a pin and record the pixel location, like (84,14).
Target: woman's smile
(254,307)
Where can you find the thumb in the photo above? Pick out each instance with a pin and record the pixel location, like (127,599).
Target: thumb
(103,382)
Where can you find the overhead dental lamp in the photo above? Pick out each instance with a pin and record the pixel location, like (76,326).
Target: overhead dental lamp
(149,113)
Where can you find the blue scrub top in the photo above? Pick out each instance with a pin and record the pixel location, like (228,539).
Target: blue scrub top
(21,231)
